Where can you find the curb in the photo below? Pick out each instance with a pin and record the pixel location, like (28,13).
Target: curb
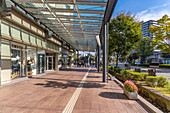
(147,104)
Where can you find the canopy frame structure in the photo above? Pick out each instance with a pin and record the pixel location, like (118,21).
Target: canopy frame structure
(76,21)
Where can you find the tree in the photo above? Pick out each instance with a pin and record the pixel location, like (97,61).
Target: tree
(75,57)
(125,32)
(145,48)
(162,34)
(132,57)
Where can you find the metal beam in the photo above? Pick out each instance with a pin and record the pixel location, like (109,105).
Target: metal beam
(54,22)
(42,16)
(93,3)
(66,21)
(74,27)
(31,9)
(111,4)
(80,33)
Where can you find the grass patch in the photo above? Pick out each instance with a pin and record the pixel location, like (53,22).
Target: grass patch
(164,65)
(165,90)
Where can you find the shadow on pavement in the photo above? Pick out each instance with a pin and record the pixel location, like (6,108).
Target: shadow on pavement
(113,95)
(93,77)
(55,84)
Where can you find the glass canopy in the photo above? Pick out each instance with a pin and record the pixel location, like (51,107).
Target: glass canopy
(76,21)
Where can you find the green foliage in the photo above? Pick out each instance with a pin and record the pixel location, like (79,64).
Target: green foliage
(125,32)
(132,57)
(164,65)
(162,81)
(149,60)
(111,67)
(152,81)
(168,86)
(146,64)
(117,70)
(101,67)
(145,48)
(133,64)
(162,34)
(125,72)
(138,76)
(75,57)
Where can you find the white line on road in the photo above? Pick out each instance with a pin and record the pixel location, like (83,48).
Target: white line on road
(70,105)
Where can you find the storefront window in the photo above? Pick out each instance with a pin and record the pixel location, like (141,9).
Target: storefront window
(17,61)
(31,60)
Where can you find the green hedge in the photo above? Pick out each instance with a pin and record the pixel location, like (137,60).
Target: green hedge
(133,64)
(117,70)
(154,81)
(164,65)
(162,81)
(134,75)
(125,72)
(138,76)
(111,67)
(146,64)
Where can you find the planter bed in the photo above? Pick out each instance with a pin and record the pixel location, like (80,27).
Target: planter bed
(131,95)
(164,66)
(154,96)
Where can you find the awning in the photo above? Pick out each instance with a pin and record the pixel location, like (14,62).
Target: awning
(76,21)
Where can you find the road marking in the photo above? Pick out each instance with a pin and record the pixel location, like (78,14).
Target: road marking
(70,105)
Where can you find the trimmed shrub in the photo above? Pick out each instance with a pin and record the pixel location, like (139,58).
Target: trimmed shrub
(162,81)
(111,67)
(152,81)
(138,76)
(164,65)
(133,64)
(125,72)
(146,64)
(117,70)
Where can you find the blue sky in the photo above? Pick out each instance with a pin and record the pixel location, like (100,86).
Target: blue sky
(145,9)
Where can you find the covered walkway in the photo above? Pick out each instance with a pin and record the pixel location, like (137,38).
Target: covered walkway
(66,91)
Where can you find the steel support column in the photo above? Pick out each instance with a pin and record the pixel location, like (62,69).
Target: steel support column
(0,37)
(77,57)
(98,59)
(104,34)
(56,62)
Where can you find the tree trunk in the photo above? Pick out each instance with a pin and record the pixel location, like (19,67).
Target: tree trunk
(117,60)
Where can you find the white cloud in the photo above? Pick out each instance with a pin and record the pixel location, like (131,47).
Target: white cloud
(153,13)
(156,7)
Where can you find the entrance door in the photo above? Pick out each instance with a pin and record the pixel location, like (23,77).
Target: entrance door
(50,63)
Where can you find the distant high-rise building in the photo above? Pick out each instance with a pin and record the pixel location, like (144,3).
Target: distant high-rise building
(145,28)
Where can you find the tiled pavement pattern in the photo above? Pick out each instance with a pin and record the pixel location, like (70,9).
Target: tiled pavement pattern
(51,93)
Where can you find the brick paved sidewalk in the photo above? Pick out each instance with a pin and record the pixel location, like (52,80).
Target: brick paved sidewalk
(51,93)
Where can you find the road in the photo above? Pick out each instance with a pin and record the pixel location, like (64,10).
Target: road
(159,71)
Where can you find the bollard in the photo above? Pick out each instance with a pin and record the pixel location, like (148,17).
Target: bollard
(152,72)
(137,70)
(127,66)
